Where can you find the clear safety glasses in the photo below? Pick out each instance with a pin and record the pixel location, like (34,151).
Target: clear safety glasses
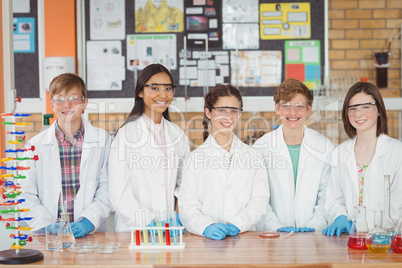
(73,100)
(156,89)
(362,108)
(227,110)
(287,107)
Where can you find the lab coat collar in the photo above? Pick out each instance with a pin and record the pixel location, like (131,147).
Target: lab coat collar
(213,144)
(90,135)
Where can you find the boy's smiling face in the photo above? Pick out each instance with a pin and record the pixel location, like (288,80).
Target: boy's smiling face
(294,113)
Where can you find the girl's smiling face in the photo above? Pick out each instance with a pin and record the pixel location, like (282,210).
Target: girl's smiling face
(362,113)
(225,119)
(156,103)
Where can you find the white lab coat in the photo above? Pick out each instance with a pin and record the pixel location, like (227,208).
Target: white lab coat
(222,186)
(301,205)
(136,170)
(42,187)
(343,186)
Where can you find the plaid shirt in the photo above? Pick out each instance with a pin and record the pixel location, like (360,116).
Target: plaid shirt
(70,160)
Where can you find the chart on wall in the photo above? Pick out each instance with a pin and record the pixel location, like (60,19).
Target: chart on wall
(285,21)
(144,49)
(158,16)
(107,19)
(256,68)
(303,62)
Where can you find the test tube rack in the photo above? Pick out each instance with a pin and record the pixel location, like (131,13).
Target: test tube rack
(10,201)
(161,243)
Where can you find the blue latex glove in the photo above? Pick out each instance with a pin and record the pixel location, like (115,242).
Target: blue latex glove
(288,229)
(340,225)
(82,228)
(216,231)
(232,229)
(52,228)
(306,229)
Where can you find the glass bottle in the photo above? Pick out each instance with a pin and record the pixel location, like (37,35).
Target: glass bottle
(378,240)
(65,233)
(396,244)
(359,229)
(387,223)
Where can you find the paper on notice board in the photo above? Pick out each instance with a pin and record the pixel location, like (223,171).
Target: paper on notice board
(21,6)
(167,16)
(105,65)
(240,36)
(107,19)
(240,11)
(144,49)
(256,68)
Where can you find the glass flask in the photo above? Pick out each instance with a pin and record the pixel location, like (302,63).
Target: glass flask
(65,233)
(378,240)
(396,244)
(387,223)
(359,229)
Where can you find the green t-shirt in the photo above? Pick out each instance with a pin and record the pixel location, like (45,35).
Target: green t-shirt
(294,151)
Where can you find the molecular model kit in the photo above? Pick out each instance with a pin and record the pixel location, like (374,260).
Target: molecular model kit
(11,205)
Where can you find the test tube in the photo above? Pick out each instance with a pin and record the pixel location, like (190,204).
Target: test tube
(137,231)
(174,224)
(152,233)
(144,224)
(167,229)
(159,224)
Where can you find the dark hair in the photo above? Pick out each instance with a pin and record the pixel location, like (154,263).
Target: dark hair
(372,90)
(212,97)
(67,82)
(144,76)
(289,88)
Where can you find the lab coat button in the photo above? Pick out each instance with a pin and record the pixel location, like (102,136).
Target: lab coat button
(228,187)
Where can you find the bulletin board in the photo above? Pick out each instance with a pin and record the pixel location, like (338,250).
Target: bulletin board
(215,41)
(26,59)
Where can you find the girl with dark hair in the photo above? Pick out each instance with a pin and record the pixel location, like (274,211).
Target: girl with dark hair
(225,187)
(360,163)
(146,155)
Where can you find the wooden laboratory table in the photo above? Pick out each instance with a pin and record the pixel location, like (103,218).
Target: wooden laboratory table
(244,250)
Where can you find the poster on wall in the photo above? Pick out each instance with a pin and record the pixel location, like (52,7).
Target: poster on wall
(303,62)
(205,69)
(285,21)
(234,11)
(105,65)
(24,35)
(240,36)
(256,68)
(107,20)
(155,16)
(144,49)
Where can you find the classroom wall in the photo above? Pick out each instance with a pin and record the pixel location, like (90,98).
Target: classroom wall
(357,29)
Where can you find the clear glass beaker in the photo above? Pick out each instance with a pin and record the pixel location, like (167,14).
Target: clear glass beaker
(396,244)
(378,240)
(65,232)
(359,229)
(387,223)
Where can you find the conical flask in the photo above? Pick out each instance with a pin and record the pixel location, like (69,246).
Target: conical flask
(378,240)
(359,229)
(65,233)
(387,223)
(396,244)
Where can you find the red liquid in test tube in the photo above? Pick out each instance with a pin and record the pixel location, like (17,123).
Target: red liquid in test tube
(137,238)
(167,231)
